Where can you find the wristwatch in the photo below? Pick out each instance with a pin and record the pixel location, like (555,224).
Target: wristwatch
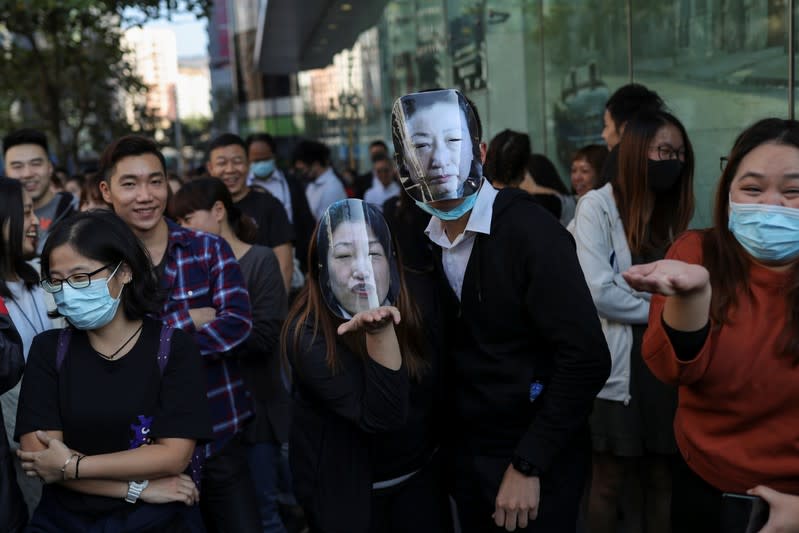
(135,488)
(525,467)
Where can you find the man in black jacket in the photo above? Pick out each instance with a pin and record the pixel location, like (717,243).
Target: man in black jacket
(527,354)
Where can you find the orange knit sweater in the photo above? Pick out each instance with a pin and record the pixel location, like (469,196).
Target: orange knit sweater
(737,423)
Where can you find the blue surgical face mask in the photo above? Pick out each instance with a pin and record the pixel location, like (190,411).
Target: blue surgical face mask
(89,308)
(263,169)
(767,232)
(452,214)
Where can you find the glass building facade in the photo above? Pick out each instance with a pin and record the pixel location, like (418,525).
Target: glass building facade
(547,67)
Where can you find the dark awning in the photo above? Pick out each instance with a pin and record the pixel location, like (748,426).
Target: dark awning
(296,35)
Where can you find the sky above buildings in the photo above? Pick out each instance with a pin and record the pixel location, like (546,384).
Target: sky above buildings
(191,34)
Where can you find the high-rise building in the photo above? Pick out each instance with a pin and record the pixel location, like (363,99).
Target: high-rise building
(153,52)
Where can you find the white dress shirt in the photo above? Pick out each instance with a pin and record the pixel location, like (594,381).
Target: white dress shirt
(455,255)
(323,191)
(378,194)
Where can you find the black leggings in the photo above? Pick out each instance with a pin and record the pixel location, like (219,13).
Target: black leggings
(695,504)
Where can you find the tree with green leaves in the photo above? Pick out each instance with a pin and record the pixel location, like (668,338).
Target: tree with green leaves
(64,69)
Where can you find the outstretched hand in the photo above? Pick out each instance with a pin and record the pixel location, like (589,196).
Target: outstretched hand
(668,277)
(371,321)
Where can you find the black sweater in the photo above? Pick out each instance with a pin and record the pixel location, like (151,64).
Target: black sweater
(526,315)
(335,416)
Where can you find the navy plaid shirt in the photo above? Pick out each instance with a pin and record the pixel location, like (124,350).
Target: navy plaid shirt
(200,270)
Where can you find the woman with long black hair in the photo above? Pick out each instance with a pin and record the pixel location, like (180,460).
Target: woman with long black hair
(633,220)
(25,300)
(363,433)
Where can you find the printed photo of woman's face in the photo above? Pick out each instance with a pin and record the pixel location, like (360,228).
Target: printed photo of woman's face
(358,267)
(440,140)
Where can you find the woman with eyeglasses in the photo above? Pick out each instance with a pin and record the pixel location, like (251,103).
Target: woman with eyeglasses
(724,327)
(110,407)
(633,220)
(25,300)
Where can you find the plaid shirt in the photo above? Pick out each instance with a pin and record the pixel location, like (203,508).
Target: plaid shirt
(201,271)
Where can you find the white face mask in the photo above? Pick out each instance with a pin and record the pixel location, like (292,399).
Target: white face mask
(767,232)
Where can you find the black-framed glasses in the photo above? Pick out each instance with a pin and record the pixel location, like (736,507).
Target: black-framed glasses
(80,280)
(723,160)
(666,152)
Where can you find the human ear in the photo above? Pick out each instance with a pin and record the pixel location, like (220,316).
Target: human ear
(218,211)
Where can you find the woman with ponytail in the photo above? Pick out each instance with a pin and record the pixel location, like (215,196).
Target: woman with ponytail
(206,205)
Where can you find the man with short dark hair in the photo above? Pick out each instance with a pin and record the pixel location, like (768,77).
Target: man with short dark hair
(264,173)
(387,185)
(227,160)
(311,161)
(369,179)
(25,154)
(206,296)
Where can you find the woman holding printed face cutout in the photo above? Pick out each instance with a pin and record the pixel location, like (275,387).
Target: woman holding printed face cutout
(362,434)
(525,353)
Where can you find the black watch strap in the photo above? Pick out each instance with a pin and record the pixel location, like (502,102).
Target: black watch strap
(525,467)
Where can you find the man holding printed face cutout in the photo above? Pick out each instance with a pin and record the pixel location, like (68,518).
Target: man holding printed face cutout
(526,351)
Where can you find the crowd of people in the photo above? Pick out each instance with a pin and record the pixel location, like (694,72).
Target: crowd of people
(453,341)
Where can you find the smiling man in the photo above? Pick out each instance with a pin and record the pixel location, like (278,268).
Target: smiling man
(227,160)
(205,295)
(26,159)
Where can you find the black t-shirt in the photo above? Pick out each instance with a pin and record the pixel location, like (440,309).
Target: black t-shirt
(269,215)
(102,406)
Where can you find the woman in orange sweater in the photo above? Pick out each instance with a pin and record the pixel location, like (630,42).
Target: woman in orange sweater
(724,326)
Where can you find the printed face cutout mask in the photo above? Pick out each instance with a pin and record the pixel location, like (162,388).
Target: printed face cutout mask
(357,268)
(437,146)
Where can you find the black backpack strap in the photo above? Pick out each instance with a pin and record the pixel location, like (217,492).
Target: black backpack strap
(64,336)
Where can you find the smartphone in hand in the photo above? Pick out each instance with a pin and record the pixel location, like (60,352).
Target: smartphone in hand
(741,513)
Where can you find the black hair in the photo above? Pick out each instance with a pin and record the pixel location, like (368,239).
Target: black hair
(629,100)
(12,260)
(80,179)
(379,142)
(545,174)
(378,157)
(507,157)
(310,152)
(127,146)
(25,136)
(226,139)
(102,236)
(201,194)
(260,137)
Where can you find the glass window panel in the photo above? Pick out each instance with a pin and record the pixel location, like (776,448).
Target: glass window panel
(720,65)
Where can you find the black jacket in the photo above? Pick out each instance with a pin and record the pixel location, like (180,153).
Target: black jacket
(13,513)
(334,417)
(526,315)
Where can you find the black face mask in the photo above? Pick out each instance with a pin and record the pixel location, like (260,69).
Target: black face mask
(662,175)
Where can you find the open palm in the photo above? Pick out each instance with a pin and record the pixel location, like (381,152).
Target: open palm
(667,277)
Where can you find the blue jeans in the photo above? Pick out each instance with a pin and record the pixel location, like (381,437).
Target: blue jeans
(264,466)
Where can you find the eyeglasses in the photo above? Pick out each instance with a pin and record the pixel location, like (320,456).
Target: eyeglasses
(666,152)
(76,281)
(723,162)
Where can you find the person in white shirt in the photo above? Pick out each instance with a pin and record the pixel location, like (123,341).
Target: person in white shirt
(387,185)
(312,161)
